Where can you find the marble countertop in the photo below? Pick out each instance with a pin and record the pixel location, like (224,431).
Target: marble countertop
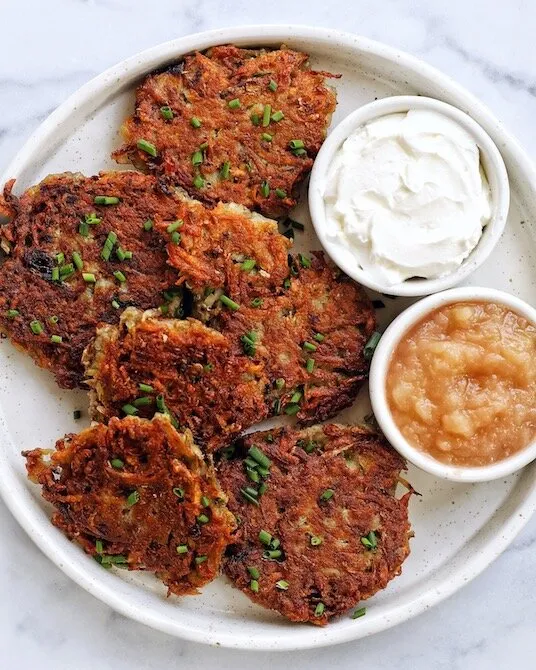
(48,49)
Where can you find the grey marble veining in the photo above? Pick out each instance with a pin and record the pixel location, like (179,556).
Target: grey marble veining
(48,49)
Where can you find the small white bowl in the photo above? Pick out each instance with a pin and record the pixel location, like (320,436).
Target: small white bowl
(378,375)
(491,161)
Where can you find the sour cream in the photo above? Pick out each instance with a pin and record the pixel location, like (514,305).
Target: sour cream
(406,195)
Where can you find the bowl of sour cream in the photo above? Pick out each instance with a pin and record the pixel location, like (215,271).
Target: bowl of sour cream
(409,195)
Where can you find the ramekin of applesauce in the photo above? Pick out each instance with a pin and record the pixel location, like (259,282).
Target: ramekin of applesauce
(453,384)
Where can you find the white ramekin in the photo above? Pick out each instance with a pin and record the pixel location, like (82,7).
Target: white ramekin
(492,163)
(378,375)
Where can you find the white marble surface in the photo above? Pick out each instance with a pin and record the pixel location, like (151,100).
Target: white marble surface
(47,50)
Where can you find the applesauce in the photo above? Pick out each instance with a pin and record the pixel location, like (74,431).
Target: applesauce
(461,384)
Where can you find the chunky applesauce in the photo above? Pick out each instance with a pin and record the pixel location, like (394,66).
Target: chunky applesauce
(461,384)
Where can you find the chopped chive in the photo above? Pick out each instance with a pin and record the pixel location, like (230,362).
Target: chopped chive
(272,554)
(89,277)
(259,456)
(164,309)
(299,152)
(279,383)
(277,116)
(266,115)
(277,407)
(12,313)
(36,327)
(177,491)
(310,365)
(316,540)
(265,537)
(205,501)
(197,158)
(128,255)
(146,388)
(280,193)
(296,144)
(55,274)
(248,341)
(105,200)
(117,463)
(248,264)
(208,367)
(77,414)
(195,122)
(203,147)
(60,258)
(371,345)
(133,498)
(115,304)
(255,119)
(108,245)
(174,226)
(250,463)
(292,409)
(257,302)
(66,270)
(282,584)
(250,498)
(115,560)
(310,446)
(56,339)
(370,541)
(265,189)
(161,404)
(182,549)
(148,147)
(231,304)
(296,397)
(272,85)
(92,219)
(359,613)
(144,401)
(309,346)
(262,489)
(167,112)
(120,276)
(269,438)
(83,229)
(148,225)
(200,559)
(234,103)
(225,170)
(319,337)
(199,182)
(203,518)
(319,609)
(267,137)
(129,409)
(251,491)
(99,547)
(120,254)
(175,238)
(254,585)
(305,261)
(253,475)
(327,494)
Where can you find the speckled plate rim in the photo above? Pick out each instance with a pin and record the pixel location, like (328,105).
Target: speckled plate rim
(49,540)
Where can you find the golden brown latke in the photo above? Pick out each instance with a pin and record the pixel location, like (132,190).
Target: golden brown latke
(328,531)
(310,339)
(190,368)
(60,216)
(227,249)
(138,494)
(230,118)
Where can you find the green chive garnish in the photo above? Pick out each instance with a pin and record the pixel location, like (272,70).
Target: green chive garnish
(249,343)
(277,116)
(60,258)
(55,274)
(115,304)
(370,541)
(117,463)
(253,475)
(99,547)
(282,584)
(167,112)
(319,609)
(299,152)
(309,365)
(148,225)
(272,85)
(315,540)
(108,246)
(146,388)
(265,189)
(177,491)
(89,277)
(203,518)
(54,319)
(267,137)
(279,383)
(133,498)
(205,501)
(248,265)
(259,456)
(197,158)
(12,313)
(255,119)
(359,613)
(120,276)
(77,260)
(234,104)
(257,302)
(305,262)
(266,115)
(371,345)
(271,554)
(199,182)
(182,549)
(296,397)
(92,219)
(280,193)
(105,200)
(225,170)
(249,497)
(328,493)
(83,229)
(36,327)
(148,147)
(309,346)
(200,559)
(144,401)
(254,572)
(291,410)
(56,339)
(254,585)
(231,304)
(319,337)
(195,122)
(129,409)
(265,537)
(296,144)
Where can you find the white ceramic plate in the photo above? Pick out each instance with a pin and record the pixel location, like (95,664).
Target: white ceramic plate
(459,528)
